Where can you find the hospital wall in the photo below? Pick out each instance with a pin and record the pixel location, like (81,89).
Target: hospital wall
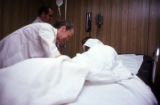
(15,14)
(130,26)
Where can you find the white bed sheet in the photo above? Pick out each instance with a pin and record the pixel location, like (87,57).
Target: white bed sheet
(126,92)
(132,61)
(60,80)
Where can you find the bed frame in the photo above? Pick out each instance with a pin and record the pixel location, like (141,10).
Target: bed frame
(146,70)
(156,74)
(149,72)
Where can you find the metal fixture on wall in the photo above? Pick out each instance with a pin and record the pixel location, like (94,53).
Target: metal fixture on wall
(88,22)
(99,20)
(65,9)
(59,3)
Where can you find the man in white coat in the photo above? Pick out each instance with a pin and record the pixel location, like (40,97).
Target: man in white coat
(45,14)
(36,40)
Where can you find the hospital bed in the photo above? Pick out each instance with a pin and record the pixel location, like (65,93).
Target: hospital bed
(127,92)
(63,82)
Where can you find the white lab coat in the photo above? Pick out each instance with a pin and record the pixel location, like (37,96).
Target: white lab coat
(32,41)
(38,20)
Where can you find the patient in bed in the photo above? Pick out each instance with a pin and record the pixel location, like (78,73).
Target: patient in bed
(56,81)
(102,61)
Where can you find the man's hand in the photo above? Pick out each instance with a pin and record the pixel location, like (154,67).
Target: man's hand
(59,55)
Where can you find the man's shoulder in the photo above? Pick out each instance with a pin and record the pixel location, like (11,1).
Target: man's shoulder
(43,24)
(40,25)
(38,20)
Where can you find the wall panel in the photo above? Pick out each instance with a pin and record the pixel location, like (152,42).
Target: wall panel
(1,28)
(17,13)
(124,37)
(154,24)
(116,24)
(105,30)
(138,26)
(126,24)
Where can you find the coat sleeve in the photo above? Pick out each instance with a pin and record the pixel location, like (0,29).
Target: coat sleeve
(48,41)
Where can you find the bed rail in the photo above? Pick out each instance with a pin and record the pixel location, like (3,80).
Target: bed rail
(156,59)
(156,74)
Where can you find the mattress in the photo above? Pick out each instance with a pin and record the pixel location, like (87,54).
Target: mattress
(126,92)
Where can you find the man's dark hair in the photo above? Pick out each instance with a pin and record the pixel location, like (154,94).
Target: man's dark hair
(44,9)
(85,39)
(59,24)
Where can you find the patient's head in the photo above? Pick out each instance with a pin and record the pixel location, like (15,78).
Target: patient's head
(85,48)
(98,58)
(89,42)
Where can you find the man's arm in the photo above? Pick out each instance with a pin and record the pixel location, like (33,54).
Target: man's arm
(48,41)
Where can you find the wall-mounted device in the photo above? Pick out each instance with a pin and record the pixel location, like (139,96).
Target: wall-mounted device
(59,3)
(88,22)
(99,20)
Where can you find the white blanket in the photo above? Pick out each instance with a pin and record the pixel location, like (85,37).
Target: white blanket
(54,81)
(41,82)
